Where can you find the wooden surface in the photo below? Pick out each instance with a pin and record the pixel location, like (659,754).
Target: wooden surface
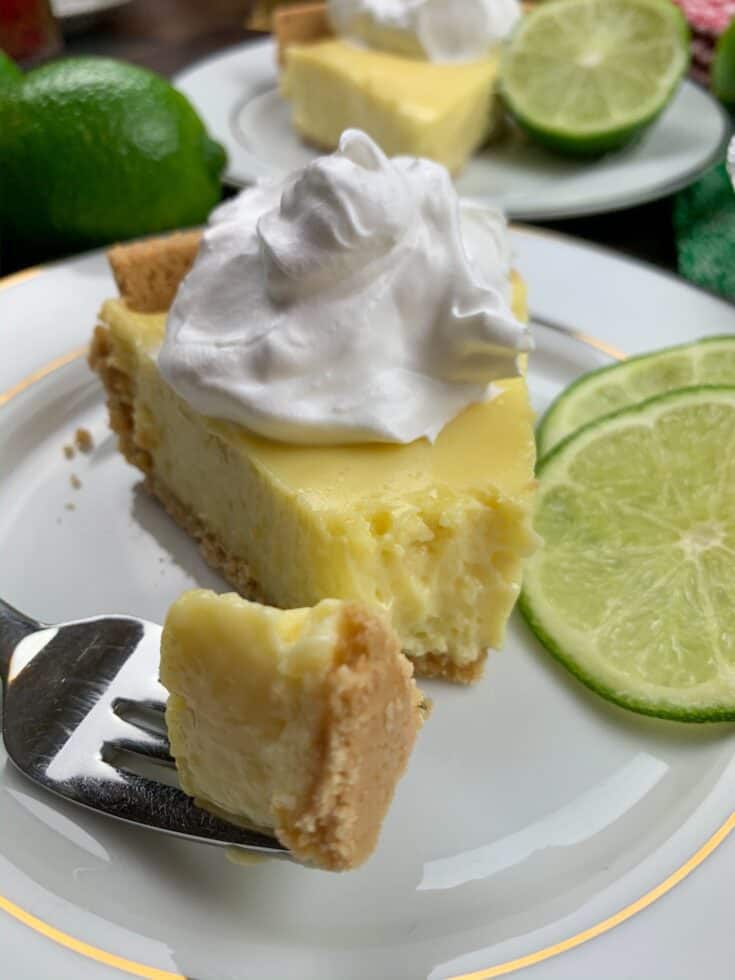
(167,35)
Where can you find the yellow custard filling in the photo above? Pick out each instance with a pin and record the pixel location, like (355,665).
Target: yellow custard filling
(408,106)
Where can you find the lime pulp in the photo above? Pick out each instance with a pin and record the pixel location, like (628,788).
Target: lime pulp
(586,76)
(633,590)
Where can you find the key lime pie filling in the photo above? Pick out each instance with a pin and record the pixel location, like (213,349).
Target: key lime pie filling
(419,76)
(326,391)
(297,722)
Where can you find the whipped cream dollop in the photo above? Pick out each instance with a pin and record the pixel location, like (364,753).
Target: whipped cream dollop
(439,30)
(354,301)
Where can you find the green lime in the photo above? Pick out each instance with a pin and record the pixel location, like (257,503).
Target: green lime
(94,150)
(707,361)
(586,76)
(723,66)
(633,589)
(10,73)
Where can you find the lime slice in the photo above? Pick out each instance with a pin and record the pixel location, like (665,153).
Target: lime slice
(633,588)
(586,76)
(708,361)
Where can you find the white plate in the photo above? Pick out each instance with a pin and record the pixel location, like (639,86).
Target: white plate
(236,93)
(534,816)
(83,8)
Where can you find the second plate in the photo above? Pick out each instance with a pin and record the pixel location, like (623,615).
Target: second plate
(236,93)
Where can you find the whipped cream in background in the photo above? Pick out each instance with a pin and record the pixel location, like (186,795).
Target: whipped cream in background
(439,30)
(354,301)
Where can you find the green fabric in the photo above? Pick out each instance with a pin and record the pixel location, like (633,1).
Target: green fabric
(704,223)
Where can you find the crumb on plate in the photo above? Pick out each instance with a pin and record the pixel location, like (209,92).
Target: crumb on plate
(83,439)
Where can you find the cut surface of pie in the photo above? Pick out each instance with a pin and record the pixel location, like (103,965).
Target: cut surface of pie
(299,722)
(408,106)
(433,534)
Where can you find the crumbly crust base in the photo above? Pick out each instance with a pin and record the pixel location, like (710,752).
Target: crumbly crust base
(118,386)
(302,23)
(373,714)
(148,273)
(442,667)
(147,289)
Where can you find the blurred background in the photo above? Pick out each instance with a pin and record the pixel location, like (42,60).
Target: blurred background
(165,36)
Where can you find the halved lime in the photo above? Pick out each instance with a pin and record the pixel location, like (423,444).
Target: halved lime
(585,76)
(633,588)
(708,361)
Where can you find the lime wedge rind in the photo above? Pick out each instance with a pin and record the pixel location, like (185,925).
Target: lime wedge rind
(565,414)
(709,711)
(712,701)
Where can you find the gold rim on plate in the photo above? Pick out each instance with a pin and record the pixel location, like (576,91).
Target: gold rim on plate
(17,277)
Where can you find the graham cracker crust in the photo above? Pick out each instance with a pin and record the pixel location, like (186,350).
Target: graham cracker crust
(374,712)
(147,289)
(120,395)
(148,273)
(441,666)
(300,24)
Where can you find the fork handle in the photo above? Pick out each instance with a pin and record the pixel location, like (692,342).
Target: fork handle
(14,626)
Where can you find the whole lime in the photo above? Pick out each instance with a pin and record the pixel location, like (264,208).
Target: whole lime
(95,150)
(10,73)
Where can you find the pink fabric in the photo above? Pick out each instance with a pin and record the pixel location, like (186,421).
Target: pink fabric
(711,16)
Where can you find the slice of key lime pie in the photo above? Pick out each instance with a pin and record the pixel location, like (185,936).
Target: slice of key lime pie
(299,722)
(419,76)
(331,400)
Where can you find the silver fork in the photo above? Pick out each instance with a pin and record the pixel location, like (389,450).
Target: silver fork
(83,716)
